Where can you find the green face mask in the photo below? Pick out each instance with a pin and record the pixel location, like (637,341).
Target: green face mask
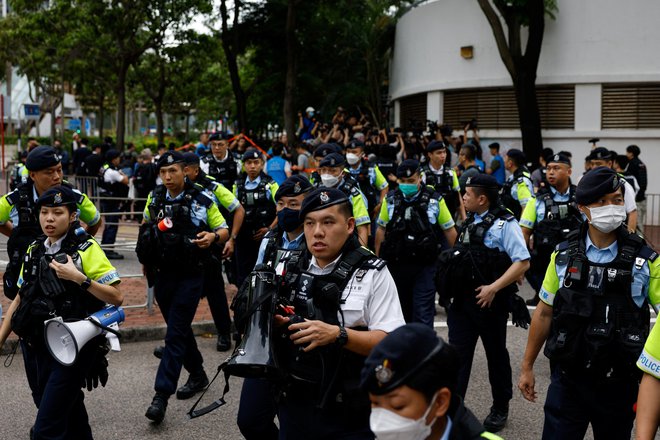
(408,189)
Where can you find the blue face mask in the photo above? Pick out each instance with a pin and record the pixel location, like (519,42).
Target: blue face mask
(408,189)
(289,219)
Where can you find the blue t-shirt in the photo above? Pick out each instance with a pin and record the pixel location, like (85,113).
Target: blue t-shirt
(499,174)
(275,168)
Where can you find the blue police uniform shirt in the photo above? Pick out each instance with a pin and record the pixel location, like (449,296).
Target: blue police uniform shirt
(371,172)
(432,210)
(198,213)
(514,188)
(505,236)
(540,205)
(286,244)
(253,184)
(13,215)
(639,284)
(445,435)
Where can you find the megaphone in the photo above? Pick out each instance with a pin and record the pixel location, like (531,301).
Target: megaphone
(254,356)
(65,339)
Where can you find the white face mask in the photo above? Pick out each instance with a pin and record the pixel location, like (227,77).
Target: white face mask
(329,181)
(388,425)
(607,218)
(352,159)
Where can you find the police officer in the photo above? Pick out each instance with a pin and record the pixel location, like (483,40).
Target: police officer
(318,155)
(550,218)
(214,286)
(256,192)
(412,222)
(593,318)
(19,206)
(331,170)
(602,157)
(436,173)
(72,290)
(19,173)
(181,224)
(518,189)
(412,387)
(370,180)
(220,163)
(648,404)
(113,187)
(349,302)
(257,408)
(481,273)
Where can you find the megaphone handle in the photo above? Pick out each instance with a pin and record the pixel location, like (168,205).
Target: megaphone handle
(216,404)
(105,327)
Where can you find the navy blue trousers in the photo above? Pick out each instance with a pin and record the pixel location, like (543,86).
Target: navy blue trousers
(416,287)
(178,295)
(57,394)
(257,410)
(467,323)
(110,231)
(574,402)
(302,420)
(214,290)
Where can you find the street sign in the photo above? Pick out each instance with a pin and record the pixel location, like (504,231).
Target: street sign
(88,127)
(31,112)
(7,107)
(74,124)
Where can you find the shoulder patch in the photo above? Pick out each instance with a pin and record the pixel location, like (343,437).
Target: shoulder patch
(84,245)
(508,217)
(648,253)
(374,263)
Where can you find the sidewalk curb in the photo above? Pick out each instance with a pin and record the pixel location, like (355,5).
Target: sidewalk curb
(137,334)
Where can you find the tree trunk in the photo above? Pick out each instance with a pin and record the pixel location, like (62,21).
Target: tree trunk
(160,134)
(528,113)
(288,108)
(121,104)
(232,64)
(188,125)
(101,115)
(53,110)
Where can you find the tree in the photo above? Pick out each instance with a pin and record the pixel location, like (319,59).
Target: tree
(521,63)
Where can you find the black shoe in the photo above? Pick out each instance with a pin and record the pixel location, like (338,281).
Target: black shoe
(496,420)
(158,351)
(156,410)
(224,343)
(194,385)
(112,255)
(533,301)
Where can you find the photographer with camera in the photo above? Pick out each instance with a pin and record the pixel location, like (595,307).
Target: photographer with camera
(348,302)
(307,124)
(65,273)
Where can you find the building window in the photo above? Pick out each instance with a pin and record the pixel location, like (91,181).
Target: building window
(630,106)
(413,112)
(496,108)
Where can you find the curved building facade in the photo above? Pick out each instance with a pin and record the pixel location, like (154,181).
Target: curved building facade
(598,76)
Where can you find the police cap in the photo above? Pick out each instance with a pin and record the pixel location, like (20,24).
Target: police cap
(559,158)
(601,153)
(111,154)
(435,145)
(355,144)
(251,153)
(217,136)
(333,160)
(59,195)
(482,181)
(190,158)
(411,355)
(322,198)
(169,158)
(407,168)
(42,157)
(293,186)
(325,149)
(596,183)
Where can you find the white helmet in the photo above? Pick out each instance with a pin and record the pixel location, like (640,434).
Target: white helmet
(309,110)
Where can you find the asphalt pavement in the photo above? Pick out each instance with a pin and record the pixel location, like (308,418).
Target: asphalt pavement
(117,411)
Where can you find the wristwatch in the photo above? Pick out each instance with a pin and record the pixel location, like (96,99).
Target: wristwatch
(85,285)
(216,238)
(342,337)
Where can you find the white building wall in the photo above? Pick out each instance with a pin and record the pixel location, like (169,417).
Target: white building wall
(591,42)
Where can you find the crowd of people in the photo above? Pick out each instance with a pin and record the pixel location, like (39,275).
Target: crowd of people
(353,235)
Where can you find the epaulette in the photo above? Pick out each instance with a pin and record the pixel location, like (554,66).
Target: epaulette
(508,216)
(648,253)
(84,245)
(374,263)
(562,246)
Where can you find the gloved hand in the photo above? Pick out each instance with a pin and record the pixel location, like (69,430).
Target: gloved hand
(519,312)
(98,369)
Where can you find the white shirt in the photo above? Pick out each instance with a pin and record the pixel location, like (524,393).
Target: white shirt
(55,247)
(111,176)
(370,298)
(629,197)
